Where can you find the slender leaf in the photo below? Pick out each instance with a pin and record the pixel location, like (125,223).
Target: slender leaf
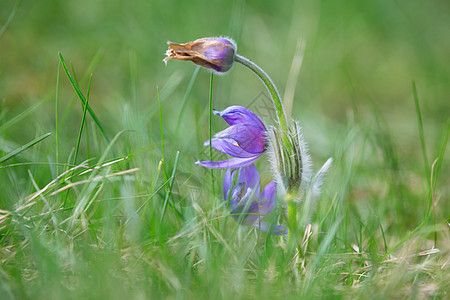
(82,98)
(24,147)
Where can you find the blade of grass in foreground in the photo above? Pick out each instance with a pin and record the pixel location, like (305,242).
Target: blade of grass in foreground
(442,148)
(77,148)
(169,191)
(24,147)
(434,174)
(82,123)
(324,246)
(56,118)
(83,197)
(90,69)
(162,135)
(163,165)
(82,98)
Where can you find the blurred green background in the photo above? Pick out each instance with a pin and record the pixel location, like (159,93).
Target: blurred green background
(353,96)
(359,63)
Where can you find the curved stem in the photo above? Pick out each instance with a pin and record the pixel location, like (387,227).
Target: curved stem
(210,130)
(270,87)
(284,129)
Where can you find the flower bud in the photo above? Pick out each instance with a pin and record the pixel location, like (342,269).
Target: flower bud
(291,164)
(216,54)
(289,158)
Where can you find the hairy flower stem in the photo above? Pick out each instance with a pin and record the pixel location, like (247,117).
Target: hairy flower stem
(270,86)
(282,121)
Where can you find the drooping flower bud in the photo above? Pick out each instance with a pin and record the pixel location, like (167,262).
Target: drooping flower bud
(216,53)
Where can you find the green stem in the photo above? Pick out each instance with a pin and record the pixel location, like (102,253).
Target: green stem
(270,87)
(292,220)
(210,130)
(284,129)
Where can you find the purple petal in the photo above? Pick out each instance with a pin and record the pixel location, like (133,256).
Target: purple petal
(251,217)
(229,146)
(260,206)
(227,182)
(238,115)
(267,200)
(230,163)
(247,212)
(227,41)
(239,195)
(245,190)
(272,228)
(248,137)
(265,207)
(221,55)
(250,176)
(256,211)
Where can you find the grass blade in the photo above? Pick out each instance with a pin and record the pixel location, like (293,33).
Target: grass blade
(82,98)
(82,123)
(442,148)
(162,135)
(169,191)
(24,147)
(56,118)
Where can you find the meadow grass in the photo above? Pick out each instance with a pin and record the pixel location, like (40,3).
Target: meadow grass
(100,197)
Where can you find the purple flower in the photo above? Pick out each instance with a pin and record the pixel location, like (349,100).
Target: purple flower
(213,53)
(245,201)
(245,139)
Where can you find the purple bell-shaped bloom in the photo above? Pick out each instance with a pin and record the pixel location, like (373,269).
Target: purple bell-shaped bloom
(214,53)
(247,204)
(245,139)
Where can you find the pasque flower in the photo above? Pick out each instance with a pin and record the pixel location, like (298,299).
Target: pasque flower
(215,53)
(245,139)
(247,204)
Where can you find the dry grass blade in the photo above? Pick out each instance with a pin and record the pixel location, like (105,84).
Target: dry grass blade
(50,185)
(104,165)
(97,178)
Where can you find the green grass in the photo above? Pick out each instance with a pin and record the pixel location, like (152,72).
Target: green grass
(110,205)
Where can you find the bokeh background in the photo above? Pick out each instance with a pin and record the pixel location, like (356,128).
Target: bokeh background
(353,94)
(359,61)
